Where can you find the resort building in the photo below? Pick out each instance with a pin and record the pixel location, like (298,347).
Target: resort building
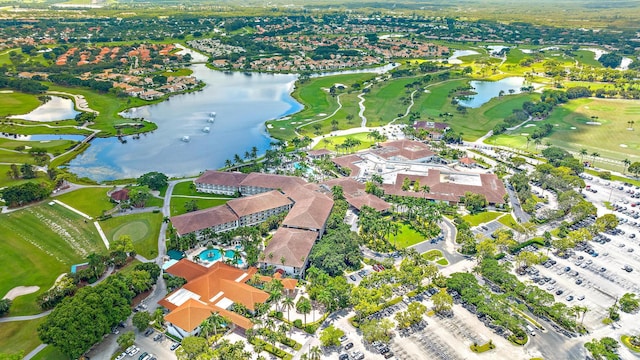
(412,160)
(436,130)
(265,195)
(289,250)
(210,290)
(355,195)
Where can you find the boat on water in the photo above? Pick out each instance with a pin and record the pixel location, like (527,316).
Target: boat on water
(212,117)
(206,129)
(186,138)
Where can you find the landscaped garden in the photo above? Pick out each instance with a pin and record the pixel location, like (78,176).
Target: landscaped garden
(143,229)
(179,204)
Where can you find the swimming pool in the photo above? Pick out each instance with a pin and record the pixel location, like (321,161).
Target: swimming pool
(210,255)
(229,254)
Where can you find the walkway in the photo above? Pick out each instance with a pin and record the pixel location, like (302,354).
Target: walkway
(362,107)
(102,235)
(25,317)
(73,209)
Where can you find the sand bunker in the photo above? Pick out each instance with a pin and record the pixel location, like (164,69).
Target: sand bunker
(623,145)
(322,114)
(529,125)
(593,123)
(21,290)
(573,128)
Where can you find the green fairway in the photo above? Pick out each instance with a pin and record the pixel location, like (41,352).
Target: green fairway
(108,106)
(16,103)
(142,228)
(177,204)
(330,142)
(92,201)
(5,180)
(475,122)
(481,218)
(607,134)
(587,57)
(38,244)
(314,95)
(13,157)
(51,146)
(41,129)
(346,118)
(19,336)
(387,100)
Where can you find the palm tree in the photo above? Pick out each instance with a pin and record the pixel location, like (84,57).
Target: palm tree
(594,155)
(631,122)
(583,153)
(227,163)
(216,320)
(288,304)
(205,328)
(304,306)
(158,317)
(315,353)
(626,163)
(254,152)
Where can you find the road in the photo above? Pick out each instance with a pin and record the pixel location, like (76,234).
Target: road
(521,215)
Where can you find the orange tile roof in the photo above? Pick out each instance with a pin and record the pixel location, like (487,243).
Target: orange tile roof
(293,245)
(189,315)
(310,213)
(212,285)
(187,269)
(257,203)
(202,219)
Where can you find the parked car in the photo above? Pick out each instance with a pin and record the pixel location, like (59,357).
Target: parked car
(174,346)
(348,346)
(148,332)
(353,278)
(343,338)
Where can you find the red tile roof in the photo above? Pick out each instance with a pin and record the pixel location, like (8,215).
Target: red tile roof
(220,178)
(272,181)
(257,203)
(407,149)
(202,219)
(310,213)
(466,160)
(292,244)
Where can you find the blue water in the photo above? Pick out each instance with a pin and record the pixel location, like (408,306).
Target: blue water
(242,104)
(210,255)
(229,255)
(57,108)
(487,90)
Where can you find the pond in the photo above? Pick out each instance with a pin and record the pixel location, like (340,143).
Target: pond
(487,90)
(453,59)
(56,109)
(186,141)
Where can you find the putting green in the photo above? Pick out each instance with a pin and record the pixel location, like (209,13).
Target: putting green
(137,230)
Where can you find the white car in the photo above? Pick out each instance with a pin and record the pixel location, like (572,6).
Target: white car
(121,356)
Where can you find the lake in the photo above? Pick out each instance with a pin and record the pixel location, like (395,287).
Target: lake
(460,53)
(242,104)
(58,108)
(487,90)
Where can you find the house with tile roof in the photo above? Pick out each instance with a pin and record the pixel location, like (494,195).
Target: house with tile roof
(209,290)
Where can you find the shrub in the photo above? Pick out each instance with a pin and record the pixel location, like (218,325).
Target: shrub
(297,323)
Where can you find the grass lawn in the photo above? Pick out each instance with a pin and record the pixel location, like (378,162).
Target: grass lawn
(347,117)
(51,146)
(178,72)
(475,122)
(615,177)
(50,353)
(611,139)
(407,236)
(142,228)
(508,220)
(92,201)
(442,261)
(481,218)
(17,103)
(385,101)
(432,255)
(177,204)
(38,244)
(330,142)
(7,156)
(19,336)
(185,188)
(109,106)
(587,57)
(5,180)
(315,97)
